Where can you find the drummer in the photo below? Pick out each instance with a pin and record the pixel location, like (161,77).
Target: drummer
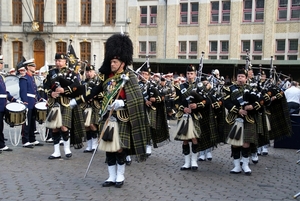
(22,71)
(12,71)
(4,97)
(29,96)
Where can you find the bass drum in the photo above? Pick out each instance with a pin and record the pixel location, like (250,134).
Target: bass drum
(12,86)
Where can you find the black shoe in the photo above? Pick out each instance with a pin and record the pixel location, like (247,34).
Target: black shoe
(28,145)
(119,184)
(184,168)
(128,162)
(194,168)
(5,149)
(54,157)
(88,151)
(108,184)
(69,155)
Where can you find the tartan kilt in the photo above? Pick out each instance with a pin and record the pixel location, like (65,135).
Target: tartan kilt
(262,130)
(66,114)
(209,135)
(280,120)
(160,133)
(95,116)
(78,129)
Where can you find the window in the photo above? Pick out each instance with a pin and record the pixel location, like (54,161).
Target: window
(212,57)
(143,47)
(247,10)
(61,12)
(293,45)
(61,47)
(253,10)
(259,10)
(257,46)
(288,10)
(17,52)
(224,57)
(110,12)
(295,10)
(152,47)
(216,12)
(292,57)
(213,46)
(86,12)
(224,46)
(194,13)
(282,9)
(144,15)
(182,46)
(181,57)
(183,13)
(256,57)
(280,45)
(85,51)
(245,45)
(17,12)
(39,13)
(226,12)
(279,57)
(153,14)
(193,47)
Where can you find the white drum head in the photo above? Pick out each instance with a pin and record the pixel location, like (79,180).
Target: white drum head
(41,106)
(15,107)
(12,86)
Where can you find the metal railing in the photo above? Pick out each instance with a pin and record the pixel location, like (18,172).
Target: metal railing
(38,27)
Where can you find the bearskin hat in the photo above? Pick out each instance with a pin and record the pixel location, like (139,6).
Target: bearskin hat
(118,46)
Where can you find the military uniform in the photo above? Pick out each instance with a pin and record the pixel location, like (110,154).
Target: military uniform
(30,96)
(4,97)
(66,79)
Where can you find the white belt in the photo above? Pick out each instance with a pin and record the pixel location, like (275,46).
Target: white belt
(3,95)
(31,95)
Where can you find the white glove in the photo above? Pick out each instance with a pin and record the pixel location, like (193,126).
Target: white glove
(73,103)
(43,100)
(117,104)
(19,101)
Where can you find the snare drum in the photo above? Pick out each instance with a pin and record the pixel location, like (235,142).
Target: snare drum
(15,114)
(41,112)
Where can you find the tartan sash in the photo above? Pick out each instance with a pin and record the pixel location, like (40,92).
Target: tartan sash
(109,96)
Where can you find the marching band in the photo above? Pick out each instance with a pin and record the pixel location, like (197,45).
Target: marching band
(125,112)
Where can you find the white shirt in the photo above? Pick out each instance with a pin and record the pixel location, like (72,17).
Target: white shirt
(292,94)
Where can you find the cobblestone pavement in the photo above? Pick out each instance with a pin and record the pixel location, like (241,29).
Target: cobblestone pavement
(28,174)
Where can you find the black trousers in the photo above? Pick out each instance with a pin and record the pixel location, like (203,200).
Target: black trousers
(293,107)
(2,143)
(28,130)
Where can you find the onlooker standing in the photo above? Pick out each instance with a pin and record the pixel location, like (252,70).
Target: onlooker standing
(292,95)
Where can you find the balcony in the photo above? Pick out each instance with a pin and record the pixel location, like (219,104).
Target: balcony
(38,27)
